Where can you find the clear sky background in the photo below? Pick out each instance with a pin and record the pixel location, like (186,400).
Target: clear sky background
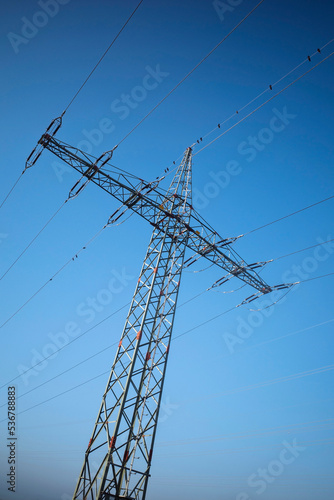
(243,387)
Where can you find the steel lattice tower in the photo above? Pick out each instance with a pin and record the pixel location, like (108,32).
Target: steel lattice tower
(119,454)
(123,437)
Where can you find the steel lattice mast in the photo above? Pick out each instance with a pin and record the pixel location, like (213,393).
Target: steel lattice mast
(118,456)
(123,437)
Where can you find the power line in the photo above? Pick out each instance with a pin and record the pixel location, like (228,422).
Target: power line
(284,336)
(302,250)
(32,241)
(250,434)
(68,369)
(317,442)
(64,392)
(188,74)
(79,90)
(287,286)
(205,322)
(268,89)
(267,383)
(263,104)
(312,279)
(53,276)
(289,215)
(102,57)
(12,189)
(66,345)
(71,342)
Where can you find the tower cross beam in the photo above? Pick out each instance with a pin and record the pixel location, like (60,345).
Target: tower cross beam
(152,203)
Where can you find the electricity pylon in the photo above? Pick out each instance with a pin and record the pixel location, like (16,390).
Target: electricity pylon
(118,456)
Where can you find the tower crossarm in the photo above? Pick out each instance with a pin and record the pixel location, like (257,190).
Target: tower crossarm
(127,188)
(153,204)
(205,242)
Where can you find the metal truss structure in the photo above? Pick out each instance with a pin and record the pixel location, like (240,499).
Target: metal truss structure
(123,436)
(118,456)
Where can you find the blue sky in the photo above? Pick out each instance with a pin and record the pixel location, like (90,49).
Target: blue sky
(242,388)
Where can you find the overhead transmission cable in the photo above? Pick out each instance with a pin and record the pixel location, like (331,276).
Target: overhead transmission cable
(301,250)
(267,383)
(289,215)
(269,88)
(102,57)
(188,74)
(312,279)
(53,276)
(82,335)
(32,241)
(79,90)
(232,308)
(250,434)
(65,392)
(275,339)
(11,189)
(63,372)
(263,104)
(66,345)
(290,288)
(115,343)
(286,378)
(269,261)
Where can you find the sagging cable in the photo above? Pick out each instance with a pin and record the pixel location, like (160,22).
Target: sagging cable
(32,241)
(74,257)
(229,291)
(201,270)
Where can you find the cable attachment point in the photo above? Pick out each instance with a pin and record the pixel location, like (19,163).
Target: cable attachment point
(264,291)
(116,215)
(257,265)
(221,281)
(37,151)
(89,174)
(227,241)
